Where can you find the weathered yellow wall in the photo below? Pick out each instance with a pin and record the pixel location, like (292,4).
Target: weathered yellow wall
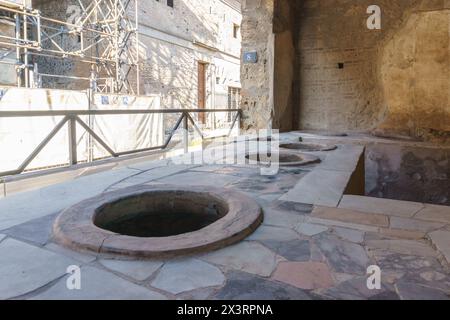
(285,90)
(395,81)
(415,72)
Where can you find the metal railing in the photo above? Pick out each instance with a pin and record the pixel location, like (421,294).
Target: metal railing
(72,117)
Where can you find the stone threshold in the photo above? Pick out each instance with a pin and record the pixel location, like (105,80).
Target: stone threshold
(402,224)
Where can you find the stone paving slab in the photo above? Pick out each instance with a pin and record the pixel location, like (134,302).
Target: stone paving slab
(279,218)
(412,291)
(199,179)
(292,207)
(407,247)
(403,209)
(344,257)
(350,216)
(402,234)
(415,225)
(22,207)
(82,257)
(345,158)
(187,275)
(149,164)
(197,295)
(316,253)
(356,289)
(273,233)
(334,223)
(264,200)
(310,230)
(404,263)
(432,276)
(137,270)
(148,176)
(304,275)
(266,185)
(441,240)
(209,168)
(319,187)
(250,257)
(97,284)
(294,250)
(434,213)
(25,268)
(355,236)
(37,231)
(240,171)
(436,279)
(244,286)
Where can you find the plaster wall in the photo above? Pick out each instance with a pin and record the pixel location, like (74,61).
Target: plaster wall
(394,80)
(408,171)
(321,68)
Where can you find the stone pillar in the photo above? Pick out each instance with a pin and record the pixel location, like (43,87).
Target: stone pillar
(269,86)
(257,78)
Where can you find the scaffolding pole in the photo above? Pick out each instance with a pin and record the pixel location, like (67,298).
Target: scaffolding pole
(107,33)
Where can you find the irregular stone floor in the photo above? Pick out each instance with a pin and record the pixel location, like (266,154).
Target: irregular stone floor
(301,252)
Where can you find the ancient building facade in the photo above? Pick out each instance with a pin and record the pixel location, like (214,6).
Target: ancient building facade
(321,67)
(191,43)
(189,51)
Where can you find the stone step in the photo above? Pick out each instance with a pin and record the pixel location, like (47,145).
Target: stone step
(402,209)
(351,216)
(441,240)
(434,213)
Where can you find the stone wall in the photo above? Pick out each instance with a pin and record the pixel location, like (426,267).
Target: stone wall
(257,78)
(394,79)
(415,75)
(343,76)
(408,171)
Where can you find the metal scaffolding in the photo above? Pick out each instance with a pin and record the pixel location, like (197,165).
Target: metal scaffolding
(103,36)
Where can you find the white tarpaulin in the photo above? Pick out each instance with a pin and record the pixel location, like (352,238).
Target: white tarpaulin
(127,132)
(20,136)
(18,2)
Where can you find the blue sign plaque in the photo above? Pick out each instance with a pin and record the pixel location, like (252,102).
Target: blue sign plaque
(105,100)
(251,57)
